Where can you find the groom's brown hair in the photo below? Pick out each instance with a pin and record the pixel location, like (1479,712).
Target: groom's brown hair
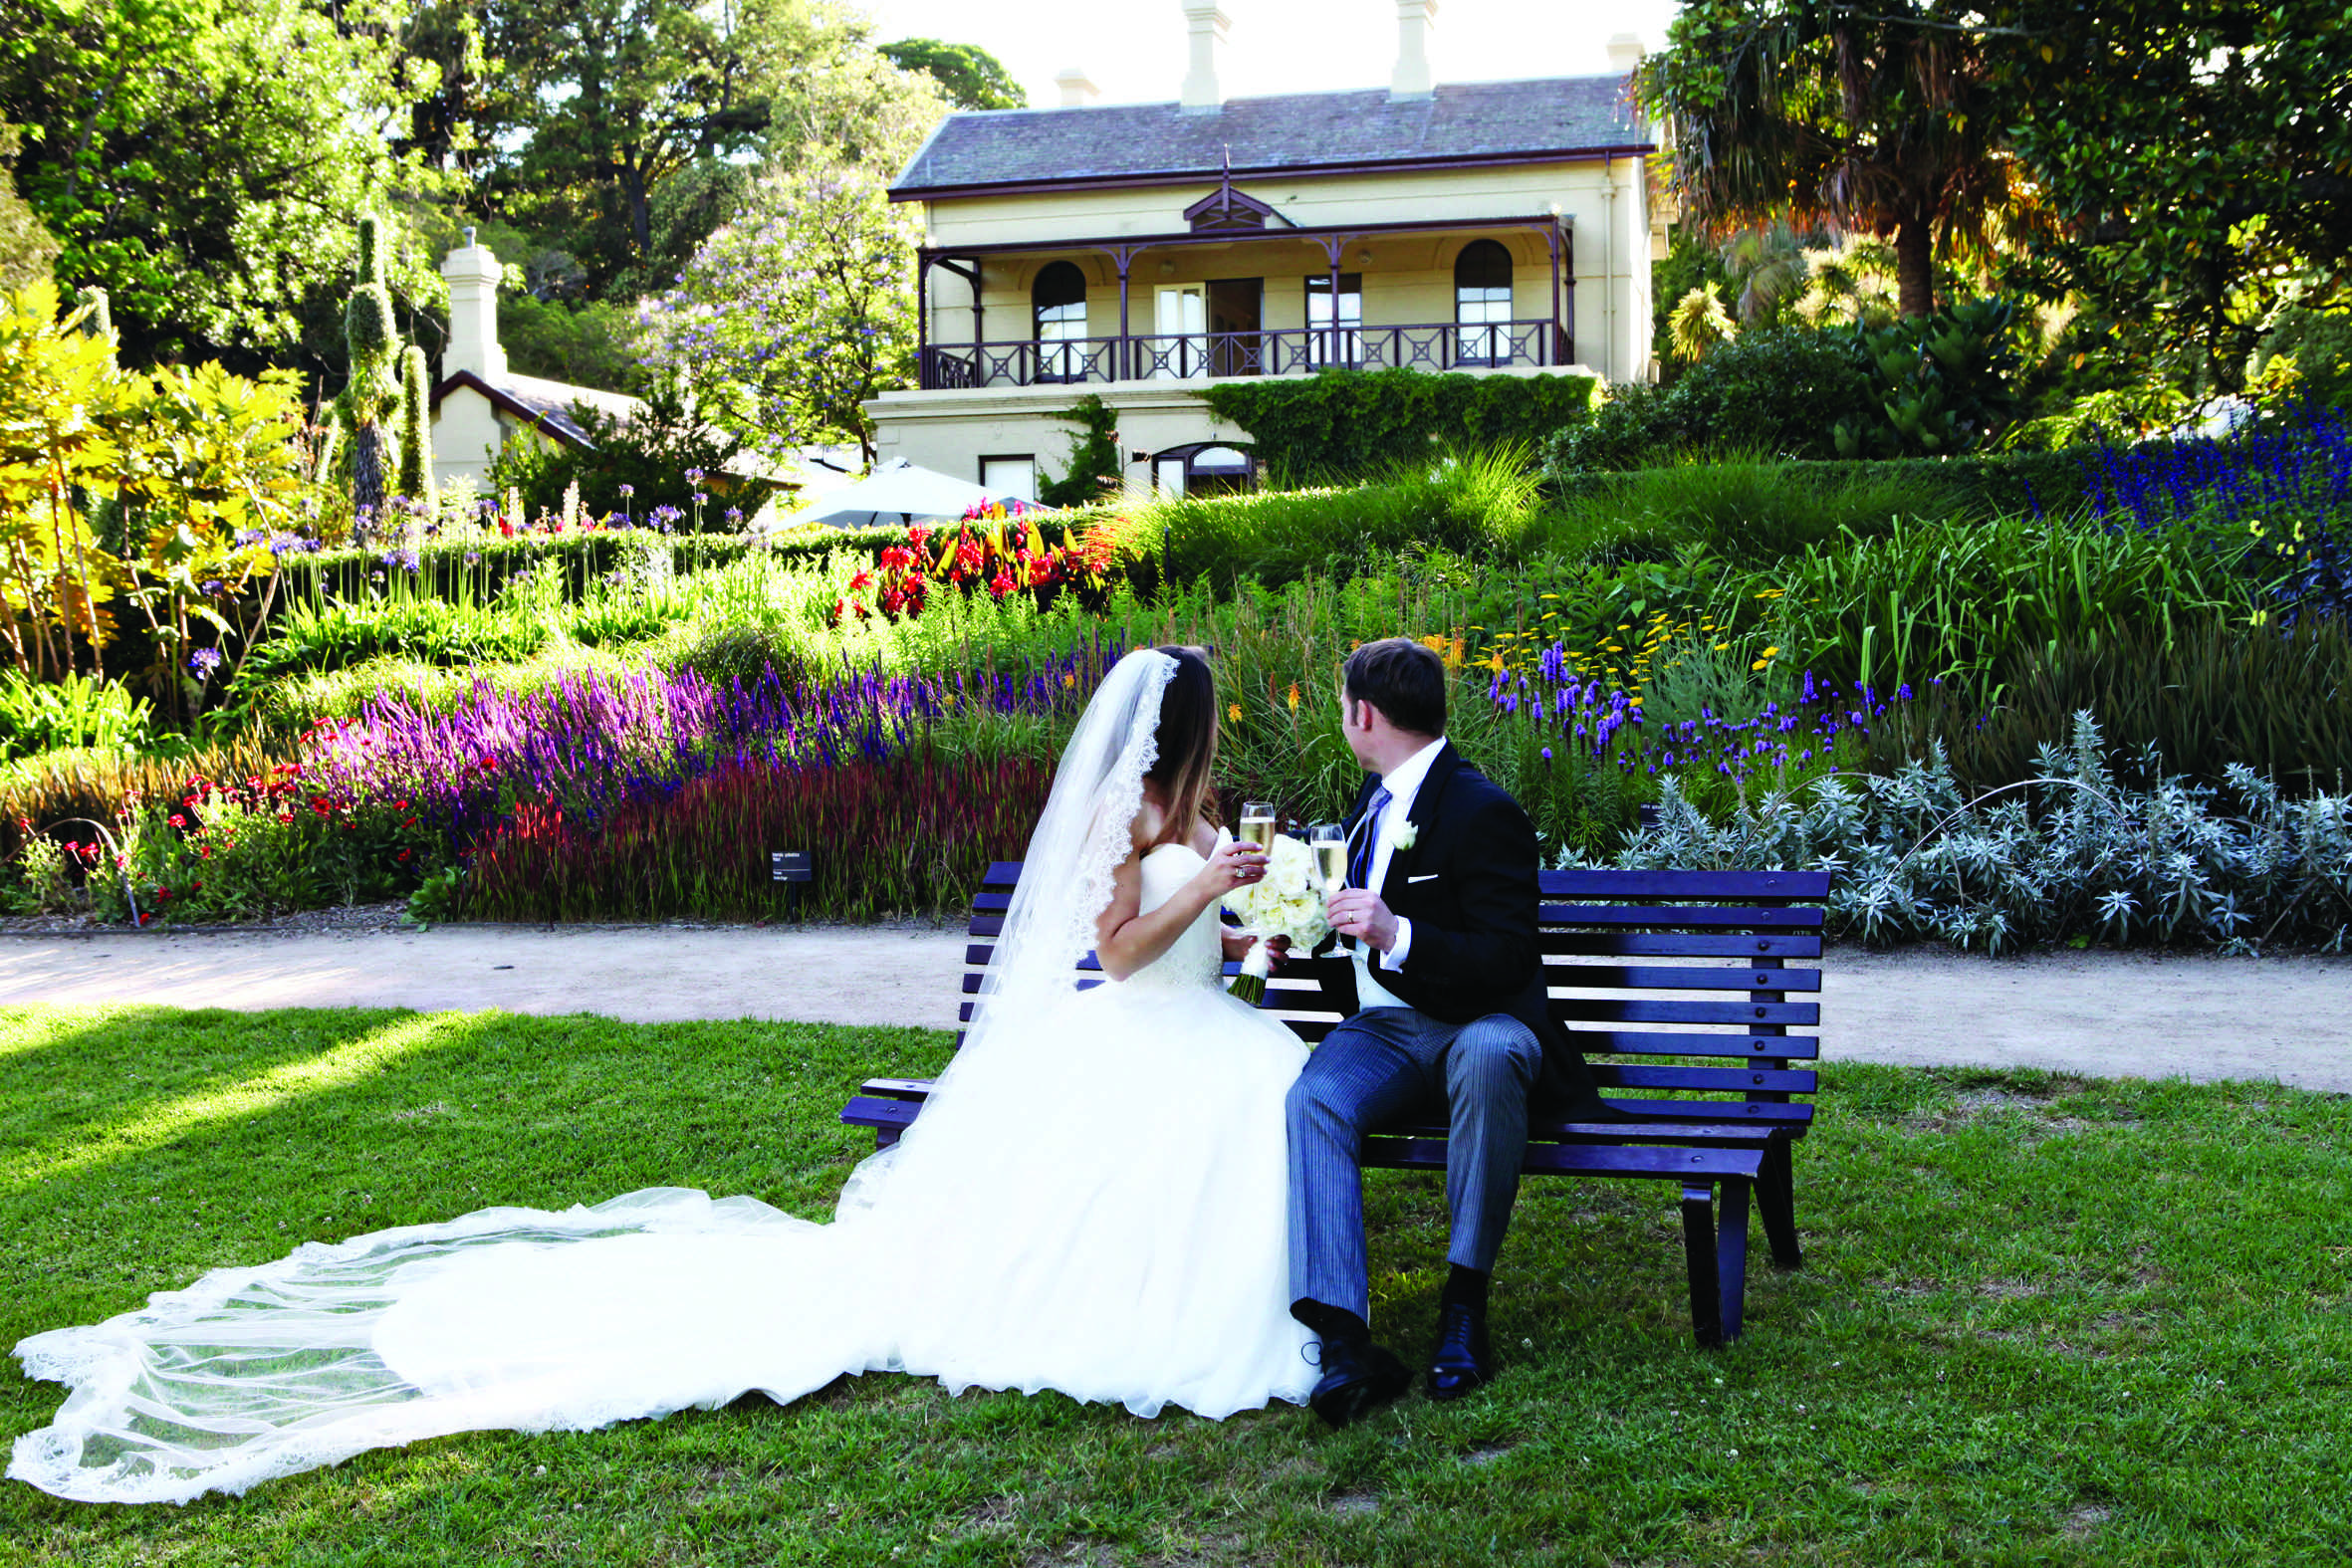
(1401,678)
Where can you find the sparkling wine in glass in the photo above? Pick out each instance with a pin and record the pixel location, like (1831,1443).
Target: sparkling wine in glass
(1328,840)
(1257,824)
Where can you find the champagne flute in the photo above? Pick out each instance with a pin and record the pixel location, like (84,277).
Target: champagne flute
(1328,840)
(1257,824)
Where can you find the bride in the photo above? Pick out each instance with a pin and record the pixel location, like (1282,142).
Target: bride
(1091,1202)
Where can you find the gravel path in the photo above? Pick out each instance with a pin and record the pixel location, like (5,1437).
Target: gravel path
(2107,1014)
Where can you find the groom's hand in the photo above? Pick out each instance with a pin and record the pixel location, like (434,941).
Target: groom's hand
(1357,911)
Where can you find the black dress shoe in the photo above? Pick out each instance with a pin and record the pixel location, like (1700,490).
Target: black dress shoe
(1462,1360)
(1357,1379)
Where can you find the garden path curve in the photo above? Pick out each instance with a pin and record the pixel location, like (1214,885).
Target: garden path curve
(2106,1015)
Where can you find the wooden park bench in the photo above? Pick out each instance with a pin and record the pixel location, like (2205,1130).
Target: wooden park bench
(1676,985)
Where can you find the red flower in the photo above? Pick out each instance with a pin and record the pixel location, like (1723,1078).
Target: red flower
(178,821)
(505,528)
(403,855)
(284,816)
(1000,585)
(919,534)
(860,582)
(897,558)
(969,555)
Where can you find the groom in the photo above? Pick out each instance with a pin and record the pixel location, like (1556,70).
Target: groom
(1448,1015)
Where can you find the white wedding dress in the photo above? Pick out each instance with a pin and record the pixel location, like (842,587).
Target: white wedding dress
(1094,1206)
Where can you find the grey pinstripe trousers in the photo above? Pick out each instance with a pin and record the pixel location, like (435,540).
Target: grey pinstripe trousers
(1378,1068)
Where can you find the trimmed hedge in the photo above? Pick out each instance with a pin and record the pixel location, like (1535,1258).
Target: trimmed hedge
(1345,424)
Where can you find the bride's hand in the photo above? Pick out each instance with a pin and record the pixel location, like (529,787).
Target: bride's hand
(1234,864)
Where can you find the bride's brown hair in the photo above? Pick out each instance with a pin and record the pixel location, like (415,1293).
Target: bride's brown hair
(1186,745)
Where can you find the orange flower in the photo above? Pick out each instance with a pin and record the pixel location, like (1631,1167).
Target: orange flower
(1232,711)
(1293,696)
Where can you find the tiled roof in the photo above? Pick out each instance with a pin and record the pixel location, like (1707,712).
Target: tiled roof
(550,401)
(1461,122)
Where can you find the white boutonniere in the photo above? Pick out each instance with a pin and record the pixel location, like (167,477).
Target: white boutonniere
(1408,835)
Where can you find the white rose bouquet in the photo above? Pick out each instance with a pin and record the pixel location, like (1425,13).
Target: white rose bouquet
(1287,902)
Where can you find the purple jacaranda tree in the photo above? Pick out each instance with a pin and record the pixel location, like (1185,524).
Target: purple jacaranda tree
(795,313)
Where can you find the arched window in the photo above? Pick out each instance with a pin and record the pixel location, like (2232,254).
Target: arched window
(1482,304)
(1058,299)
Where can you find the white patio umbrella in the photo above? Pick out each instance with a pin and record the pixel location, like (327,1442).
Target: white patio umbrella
(896,492)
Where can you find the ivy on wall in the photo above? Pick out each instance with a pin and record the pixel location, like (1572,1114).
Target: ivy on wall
(1094,457)
(1346,423)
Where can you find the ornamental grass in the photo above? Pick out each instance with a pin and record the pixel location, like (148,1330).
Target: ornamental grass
(909,834)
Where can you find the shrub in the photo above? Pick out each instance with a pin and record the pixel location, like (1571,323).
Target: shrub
(651,453)
(70,712)
(1943,383)
(2071,855)
(1349,424)
(1780,393)
(1480,503)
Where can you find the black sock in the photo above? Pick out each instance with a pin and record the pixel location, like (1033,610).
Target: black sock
(1466,1287)
(1333,1325)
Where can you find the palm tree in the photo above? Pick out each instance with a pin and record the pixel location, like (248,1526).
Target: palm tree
(1823,111)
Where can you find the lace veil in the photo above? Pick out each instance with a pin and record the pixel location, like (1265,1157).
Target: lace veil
(1080,839)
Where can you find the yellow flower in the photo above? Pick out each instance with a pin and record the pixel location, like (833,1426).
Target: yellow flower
(1719,648)
(1293,696)
(1771,652)
(1070,680)
(1232,711)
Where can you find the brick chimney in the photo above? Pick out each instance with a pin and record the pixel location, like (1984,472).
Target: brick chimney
(473,274)
(1415,21)
(1077,89)
(1206,23)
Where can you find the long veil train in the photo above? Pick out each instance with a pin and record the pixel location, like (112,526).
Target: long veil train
(1004,1243)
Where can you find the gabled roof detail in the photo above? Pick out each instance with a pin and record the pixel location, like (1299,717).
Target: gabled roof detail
(1291,132)
(1226,208)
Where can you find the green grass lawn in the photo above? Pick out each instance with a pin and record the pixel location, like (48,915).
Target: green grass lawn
(2042,1320)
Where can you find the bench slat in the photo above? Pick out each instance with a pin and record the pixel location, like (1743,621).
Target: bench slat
(1666,977)
(1611,883)
(1686,917)
(1649,1161)
(1640,1042)
(1675,943)
(1715,1080)
(1612,1010)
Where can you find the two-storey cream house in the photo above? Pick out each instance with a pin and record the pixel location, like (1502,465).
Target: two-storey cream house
(1138,250)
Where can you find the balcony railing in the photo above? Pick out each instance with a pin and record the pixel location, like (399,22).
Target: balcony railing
(1287,350)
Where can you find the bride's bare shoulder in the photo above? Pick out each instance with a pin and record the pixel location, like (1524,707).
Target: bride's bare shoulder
(1149,819)
(1203,838)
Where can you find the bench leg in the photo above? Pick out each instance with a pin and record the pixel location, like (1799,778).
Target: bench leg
(1731,1256)
(884,1137)
(1698,1252)
(1776,1206)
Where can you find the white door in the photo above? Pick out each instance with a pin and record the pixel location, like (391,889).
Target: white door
(1180,350)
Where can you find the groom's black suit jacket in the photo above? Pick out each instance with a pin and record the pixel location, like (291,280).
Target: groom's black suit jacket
(1468,885)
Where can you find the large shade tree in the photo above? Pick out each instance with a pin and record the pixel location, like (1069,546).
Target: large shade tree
(2198,154)
(1872,118)
(202,161)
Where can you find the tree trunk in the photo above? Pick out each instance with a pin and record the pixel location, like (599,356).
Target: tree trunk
(641,210)
(366,483)
(1915,267)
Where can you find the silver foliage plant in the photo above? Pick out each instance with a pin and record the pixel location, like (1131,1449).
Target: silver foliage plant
(2068,854)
